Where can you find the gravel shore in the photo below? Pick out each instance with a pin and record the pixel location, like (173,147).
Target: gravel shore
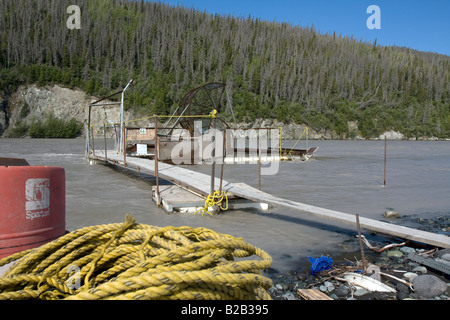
(409,279)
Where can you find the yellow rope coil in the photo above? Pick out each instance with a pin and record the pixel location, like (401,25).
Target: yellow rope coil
(136,261)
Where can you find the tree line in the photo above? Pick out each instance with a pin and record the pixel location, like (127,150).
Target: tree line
(272,70)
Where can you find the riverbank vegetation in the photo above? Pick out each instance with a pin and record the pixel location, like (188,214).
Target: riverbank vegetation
(53,127)
(272,70)
(50,128)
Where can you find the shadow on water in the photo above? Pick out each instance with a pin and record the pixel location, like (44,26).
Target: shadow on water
(148,178)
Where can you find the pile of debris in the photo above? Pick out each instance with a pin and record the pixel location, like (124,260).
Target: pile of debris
(393,272)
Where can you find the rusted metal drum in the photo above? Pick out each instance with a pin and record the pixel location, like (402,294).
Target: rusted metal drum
(32,207)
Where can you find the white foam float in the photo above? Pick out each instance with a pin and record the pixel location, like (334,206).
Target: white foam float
(367,283)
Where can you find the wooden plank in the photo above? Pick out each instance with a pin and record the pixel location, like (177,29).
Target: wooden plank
(177,196)
(174,198)
(200,183)
(312,294)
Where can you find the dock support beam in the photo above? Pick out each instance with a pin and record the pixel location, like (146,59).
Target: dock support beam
(124,147)
(358,227)
(385,147)
(213,164)
(158,203)
(259,163)
(104,135)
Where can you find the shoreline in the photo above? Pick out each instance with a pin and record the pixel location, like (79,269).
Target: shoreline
(393,262)
(289,138)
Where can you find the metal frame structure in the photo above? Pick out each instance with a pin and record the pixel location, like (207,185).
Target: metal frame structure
(120,137)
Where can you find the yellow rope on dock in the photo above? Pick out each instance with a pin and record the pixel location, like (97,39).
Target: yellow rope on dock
(135,261)
(214,199)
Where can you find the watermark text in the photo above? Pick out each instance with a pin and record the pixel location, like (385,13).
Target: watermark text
(74,21)
(374,21)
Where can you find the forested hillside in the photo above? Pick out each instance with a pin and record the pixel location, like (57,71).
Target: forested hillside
(271,70)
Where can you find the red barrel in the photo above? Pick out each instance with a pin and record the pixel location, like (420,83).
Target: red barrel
(32,207)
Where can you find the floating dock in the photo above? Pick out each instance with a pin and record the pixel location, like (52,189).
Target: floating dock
(193,187)
(188,190)
(174,198)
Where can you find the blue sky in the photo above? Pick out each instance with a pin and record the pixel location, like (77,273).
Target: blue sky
(417,24)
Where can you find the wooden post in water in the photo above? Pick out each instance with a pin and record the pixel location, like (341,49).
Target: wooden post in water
(259,162)
(213,169)
(88,137)
(385,147)
(87,152)
(224,141)
(360,243)
(158,203)
(93,146)
(124,148)
(104,134)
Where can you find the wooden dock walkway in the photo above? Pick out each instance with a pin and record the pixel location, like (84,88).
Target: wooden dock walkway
(201,183)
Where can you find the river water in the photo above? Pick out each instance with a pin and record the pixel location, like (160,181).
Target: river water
(345,176)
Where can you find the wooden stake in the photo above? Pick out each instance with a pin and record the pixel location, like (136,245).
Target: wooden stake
(89,135)
(259,162)
(223,163)
(312,294)
(93,146)
(124,148)
(360,243)
(385,147)
(104,134)
(213,169)
(224,141)
(156,163)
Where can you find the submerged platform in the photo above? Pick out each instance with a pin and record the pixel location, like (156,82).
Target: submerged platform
(174,199)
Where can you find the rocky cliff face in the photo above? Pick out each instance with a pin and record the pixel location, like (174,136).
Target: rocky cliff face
(295,131)
(31,103)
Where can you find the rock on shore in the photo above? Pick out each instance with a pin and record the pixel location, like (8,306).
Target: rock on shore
(429,286)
